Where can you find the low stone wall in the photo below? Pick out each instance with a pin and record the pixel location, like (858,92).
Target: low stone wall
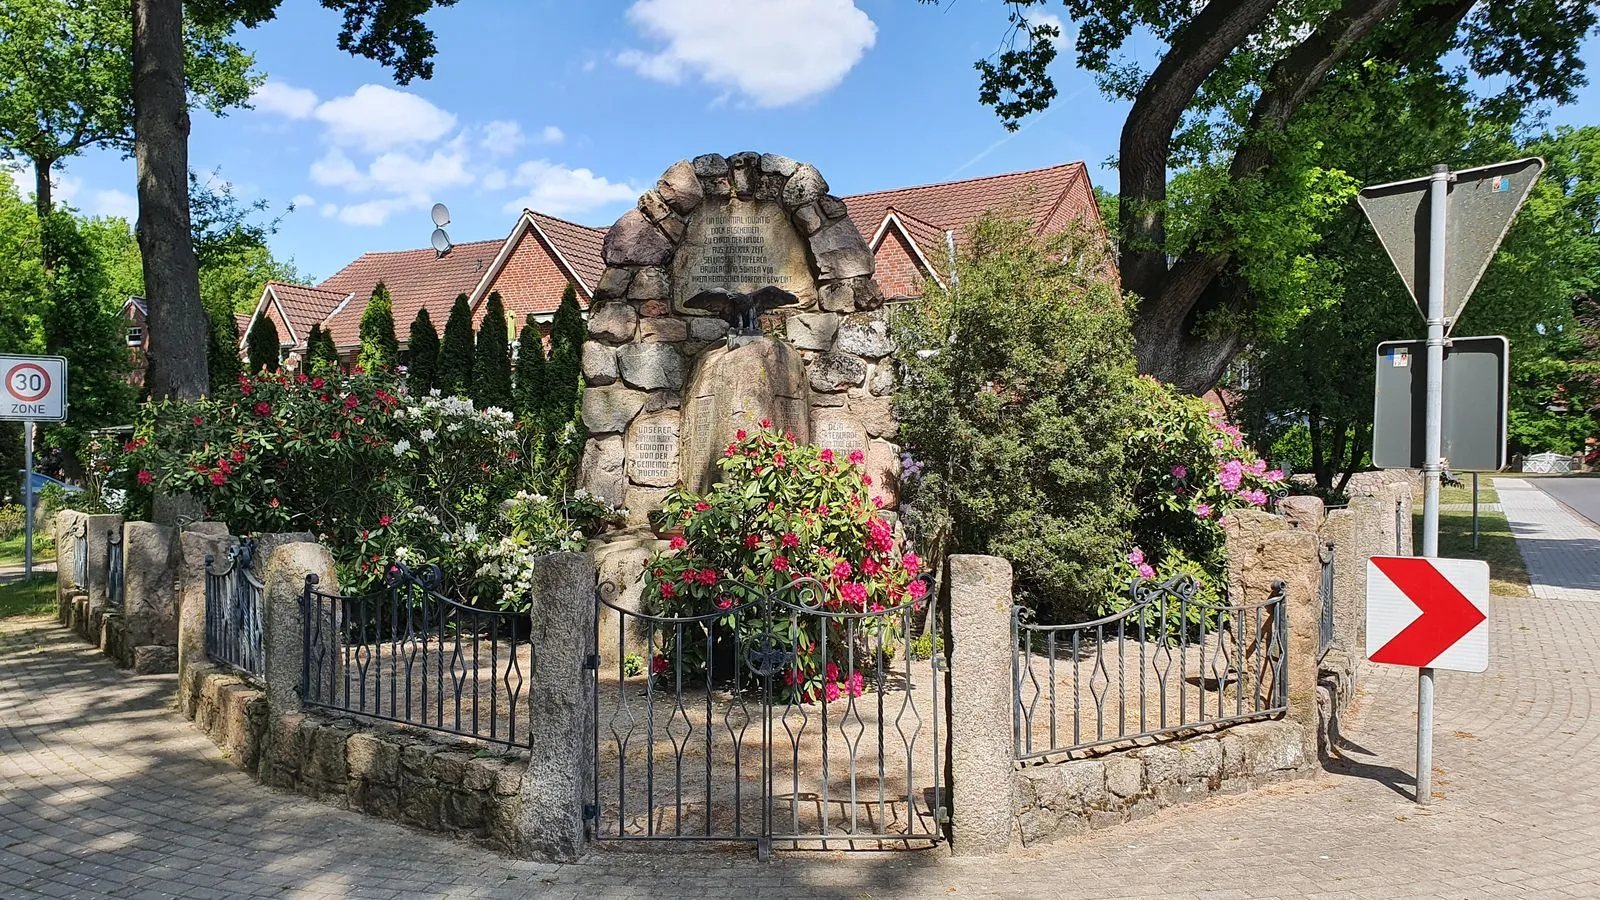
(1061,799)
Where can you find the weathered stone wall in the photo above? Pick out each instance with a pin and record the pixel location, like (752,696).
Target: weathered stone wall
(1062,799)
(658,370)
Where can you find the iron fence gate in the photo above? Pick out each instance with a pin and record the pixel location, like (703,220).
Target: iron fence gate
(775,718)
(233,632)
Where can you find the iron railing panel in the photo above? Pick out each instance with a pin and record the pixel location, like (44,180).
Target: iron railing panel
(411,655)
(1169,664)
(116,589)
(714,733)
(1325,598)
(80,555)
(234,630)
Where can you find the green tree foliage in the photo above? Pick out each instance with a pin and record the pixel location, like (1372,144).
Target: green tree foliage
(66,80)
(491,360)
(262,346)
(564,371)
(1019,412)
(325,356)
(455,351)
(530,375)
(222,350)
(380,350)
(1217,255)
(422,365)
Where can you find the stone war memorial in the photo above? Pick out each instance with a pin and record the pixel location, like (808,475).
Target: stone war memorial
(738,290)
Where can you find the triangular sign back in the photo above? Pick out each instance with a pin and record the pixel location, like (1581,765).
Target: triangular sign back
(1482,203)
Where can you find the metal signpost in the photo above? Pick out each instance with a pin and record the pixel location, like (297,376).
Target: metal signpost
(1441,232)
(32,389)
(1476,382)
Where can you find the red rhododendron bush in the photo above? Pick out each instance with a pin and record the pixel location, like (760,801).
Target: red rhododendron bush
(787,552)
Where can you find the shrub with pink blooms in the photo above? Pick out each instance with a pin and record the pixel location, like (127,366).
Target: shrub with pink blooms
(1191,468)
(795,523)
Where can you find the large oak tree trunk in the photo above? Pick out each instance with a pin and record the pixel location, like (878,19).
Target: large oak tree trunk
(178,324)
(43,201)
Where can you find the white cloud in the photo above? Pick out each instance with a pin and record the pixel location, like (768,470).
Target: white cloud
(377,212)
(329,210)
(303,201)
(774,52)
(64,188)
(1063,37)
(501,137)
(376,118)
(558,190)
(115,203)
(279,97)
(495,179)
(552,135)
(395,172)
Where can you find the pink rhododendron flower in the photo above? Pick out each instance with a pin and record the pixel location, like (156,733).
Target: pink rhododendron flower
(1275,476)
(1254,498)
(871,567)
(917,589)
(667,590)
(1136,557)
(1259,467)
(842,569)
(740,435)
(780,563)
(1203,510)
(789,539)
(145,477)
(752,541)
(724,602)
(911,562)
(831,691)
(383,521)
(832,671)
(854,593)
(1146,571)
(766,423)
(702,506)
(1231,475)
(857,457)
(678,543)
(857,684)
(826,455)
(1180,472)
(707,577)
(218,479)
(658,664)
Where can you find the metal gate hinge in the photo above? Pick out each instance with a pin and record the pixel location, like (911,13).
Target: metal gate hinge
(592,662)
(591,812)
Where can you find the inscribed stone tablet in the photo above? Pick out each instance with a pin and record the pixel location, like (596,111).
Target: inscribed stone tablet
(653,450)
(741,247)
(840,434)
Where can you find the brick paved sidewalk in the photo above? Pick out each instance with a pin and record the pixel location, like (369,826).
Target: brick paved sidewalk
(106,792)
(1561,549)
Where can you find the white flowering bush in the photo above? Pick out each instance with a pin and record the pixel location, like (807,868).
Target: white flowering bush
(378,476)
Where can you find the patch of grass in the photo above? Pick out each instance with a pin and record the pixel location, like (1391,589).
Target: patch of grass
(1508,575)
(28,598)
(44,548)
(1463,494)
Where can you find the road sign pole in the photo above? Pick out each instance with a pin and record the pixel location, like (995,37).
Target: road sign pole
(27,500)
(1433,447)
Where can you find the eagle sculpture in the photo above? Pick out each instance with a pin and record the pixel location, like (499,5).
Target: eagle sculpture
(741,311)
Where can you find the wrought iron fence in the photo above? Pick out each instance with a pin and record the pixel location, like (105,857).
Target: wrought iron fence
(1325,595)
(409,654)
(777,717)
(80,555)
(1399,529)
(116,591)
(234,612)
(1170,663)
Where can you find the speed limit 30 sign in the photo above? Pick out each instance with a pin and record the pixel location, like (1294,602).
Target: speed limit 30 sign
(33,388)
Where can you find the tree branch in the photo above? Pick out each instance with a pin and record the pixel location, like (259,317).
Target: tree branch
(1197,49)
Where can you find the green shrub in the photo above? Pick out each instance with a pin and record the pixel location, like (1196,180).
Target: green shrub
(491,359)
(262,346)
(1017,393)
(455,351)
(12,522)
(422,360)
(925,645)
(380,351)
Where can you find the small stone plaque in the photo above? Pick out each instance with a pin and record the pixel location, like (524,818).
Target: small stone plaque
(653,450)
(741,246)
(840,434)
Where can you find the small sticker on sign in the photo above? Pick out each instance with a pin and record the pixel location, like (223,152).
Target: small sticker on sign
(1399,358)
(1501,184)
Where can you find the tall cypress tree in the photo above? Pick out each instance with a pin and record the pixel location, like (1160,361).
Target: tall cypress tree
(455,351)
(222,349)
(262,346)
(328,354)
(491,360)
(530,387)
(564,372)
(422,368)
(380,351)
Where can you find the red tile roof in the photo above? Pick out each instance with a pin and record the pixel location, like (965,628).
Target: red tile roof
(1038,195)
(578,244)
(415,279)
(304,306)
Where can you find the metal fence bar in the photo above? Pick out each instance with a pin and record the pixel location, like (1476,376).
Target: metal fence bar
(80,555)
(234,633)
(1325,624)
(411,655)
(1228,661)
(1399,529)
(116,590)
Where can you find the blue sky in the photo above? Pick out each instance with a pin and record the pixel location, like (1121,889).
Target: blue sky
(575,108)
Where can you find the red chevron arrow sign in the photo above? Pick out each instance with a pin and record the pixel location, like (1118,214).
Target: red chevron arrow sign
(1428,612)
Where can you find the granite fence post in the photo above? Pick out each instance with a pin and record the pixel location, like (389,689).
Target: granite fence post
(982,769)
(560,779)
(149,608)
(195,545)
(65,529)
(283,621)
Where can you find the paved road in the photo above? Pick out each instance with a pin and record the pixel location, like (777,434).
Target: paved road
(106,792)
(1561,548)
(1581,495)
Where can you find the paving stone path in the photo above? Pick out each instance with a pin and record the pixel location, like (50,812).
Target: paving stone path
(106,792)
(1561,548)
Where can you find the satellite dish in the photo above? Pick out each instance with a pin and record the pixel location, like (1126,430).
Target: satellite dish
(441,242)
(441,215)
